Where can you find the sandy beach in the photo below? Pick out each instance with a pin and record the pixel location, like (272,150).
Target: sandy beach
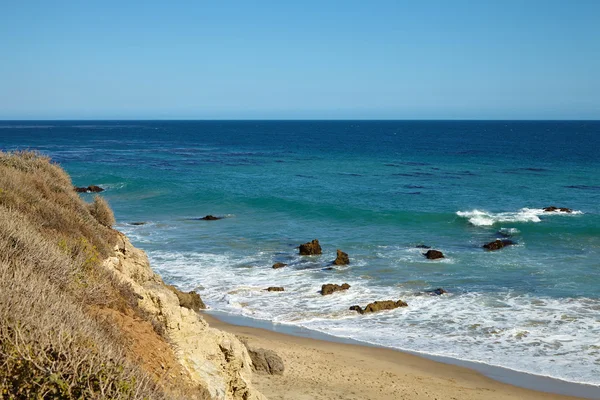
(316,369)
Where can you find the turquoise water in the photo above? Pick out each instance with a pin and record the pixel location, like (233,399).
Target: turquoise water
(374,190)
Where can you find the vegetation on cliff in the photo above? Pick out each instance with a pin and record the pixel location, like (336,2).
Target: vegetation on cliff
(55,338)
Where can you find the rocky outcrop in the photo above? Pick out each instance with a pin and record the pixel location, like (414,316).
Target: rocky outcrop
(497,244)
(189,300)
(558,209)
(379,306)
(310,248)
(210,218)
(279,265)
(215,360)
(341,259)
(89,189)
(267,361)
(274,289)
(329,288)
(436,292)
(433,254)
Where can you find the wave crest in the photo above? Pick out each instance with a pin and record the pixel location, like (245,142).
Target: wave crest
(484,218)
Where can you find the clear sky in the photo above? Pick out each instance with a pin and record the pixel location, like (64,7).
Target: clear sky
(303,59)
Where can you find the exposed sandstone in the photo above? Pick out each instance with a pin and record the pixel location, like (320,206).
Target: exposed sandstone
(215,360)
(329,288)
(191,300)
(310,248)
(341,259)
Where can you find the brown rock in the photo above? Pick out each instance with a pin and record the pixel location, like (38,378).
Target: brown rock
(275,289)
(279,265)
(191,300)
(379,306)
(331,288)
(433,254)
(498,244)
(559,209)
(210,218)
(310,248)
(94,189)
(341,259)
(81,189)
(264,360)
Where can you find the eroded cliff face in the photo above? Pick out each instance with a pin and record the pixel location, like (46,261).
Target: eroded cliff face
(214,359)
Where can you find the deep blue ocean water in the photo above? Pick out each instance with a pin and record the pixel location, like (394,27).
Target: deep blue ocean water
(374,190)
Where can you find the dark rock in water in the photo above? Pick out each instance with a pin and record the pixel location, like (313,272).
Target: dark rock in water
(558,209)
(310,248)
(328,269)
(433,254)
(422,246)
(379,306)
(191,300)
(210,218)
(137,223)
(267,361)
(498,244)
(279,265)
(274,289)
(436,292)
(89,189)
(341,259)
(329,288)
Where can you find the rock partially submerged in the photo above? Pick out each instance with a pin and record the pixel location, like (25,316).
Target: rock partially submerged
(88,189)
(558,209)
(264,360)
(379,306)
(210,218)
(137,223)
(279,265)
(341,259)
(310,248)
(433,254)
(436,292)
(498,244)
(422,246)
(275,289)
(329,288)
(191,300)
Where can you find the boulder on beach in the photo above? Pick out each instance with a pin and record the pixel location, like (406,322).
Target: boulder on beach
(266,361)
(279,265)
(210,218)
(274,289)
(558,209)
(310,248)
(433,254)
(88,189)
(341,259)
(191,300)
(379,306)
(498,244)
(329,288)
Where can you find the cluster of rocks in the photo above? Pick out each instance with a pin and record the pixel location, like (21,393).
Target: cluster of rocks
(558,209)
(88,189)
(379,306)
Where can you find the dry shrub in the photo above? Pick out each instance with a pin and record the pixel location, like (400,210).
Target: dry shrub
(102,212)
(51,249)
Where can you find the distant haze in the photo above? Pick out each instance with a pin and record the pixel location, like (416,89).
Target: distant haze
(300,60)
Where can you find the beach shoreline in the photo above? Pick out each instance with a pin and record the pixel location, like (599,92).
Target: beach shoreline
(321,366)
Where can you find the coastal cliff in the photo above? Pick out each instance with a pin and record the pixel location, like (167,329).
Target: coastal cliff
(214,359)
(82,314)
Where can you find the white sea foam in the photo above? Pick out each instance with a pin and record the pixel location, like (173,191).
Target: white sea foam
(553,337)
(484,218)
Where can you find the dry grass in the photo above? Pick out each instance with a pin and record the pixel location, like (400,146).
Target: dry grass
(51,247)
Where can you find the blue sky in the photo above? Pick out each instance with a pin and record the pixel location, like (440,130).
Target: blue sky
(297,60)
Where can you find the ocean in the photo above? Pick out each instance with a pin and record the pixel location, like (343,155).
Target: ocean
(376,190)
